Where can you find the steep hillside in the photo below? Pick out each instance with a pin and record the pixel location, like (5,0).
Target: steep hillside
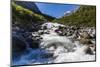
(25,17)
(84,16)
(28,5)
(33,7)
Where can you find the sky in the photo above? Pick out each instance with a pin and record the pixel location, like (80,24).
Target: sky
(56,10)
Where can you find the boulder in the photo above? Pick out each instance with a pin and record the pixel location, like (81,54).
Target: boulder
(85,41)
(47,55)
(89,51)
(35,44)
(18,45)
(85,35)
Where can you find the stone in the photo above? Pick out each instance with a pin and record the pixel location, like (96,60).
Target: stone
(34,45)
(18,45)
(85,41)
(89,51)
(85,35)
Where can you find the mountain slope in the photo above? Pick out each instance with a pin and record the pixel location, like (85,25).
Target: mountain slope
(84,16)
(33,7)
(25,17)
(28,5)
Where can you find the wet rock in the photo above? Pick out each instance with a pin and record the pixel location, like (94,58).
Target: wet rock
(47,55)
(35,44)
(18,45)
(41,32)
(89,51)
(93,47)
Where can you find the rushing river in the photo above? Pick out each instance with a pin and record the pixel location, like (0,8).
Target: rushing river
(54,48)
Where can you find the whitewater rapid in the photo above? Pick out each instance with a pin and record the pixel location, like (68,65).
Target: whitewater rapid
(57,49)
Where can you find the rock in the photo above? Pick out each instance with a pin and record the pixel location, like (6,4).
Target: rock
(35,44)
(85,41)
(85,35)
(47,55)
(41,32)
(89,51)
(93,47)
(18,45)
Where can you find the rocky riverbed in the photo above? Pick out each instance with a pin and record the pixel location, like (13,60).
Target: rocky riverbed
(53,43)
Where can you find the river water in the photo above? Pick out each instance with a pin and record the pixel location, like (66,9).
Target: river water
(54,49)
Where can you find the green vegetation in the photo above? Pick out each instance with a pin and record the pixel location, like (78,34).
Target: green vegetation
(84,16)
(22,16)
(25,17)
(49,18)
